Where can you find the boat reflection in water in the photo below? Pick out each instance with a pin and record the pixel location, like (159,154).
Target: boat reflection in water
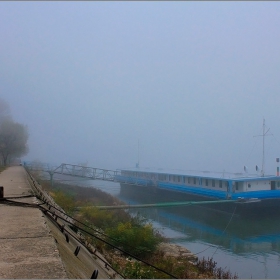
(248,245)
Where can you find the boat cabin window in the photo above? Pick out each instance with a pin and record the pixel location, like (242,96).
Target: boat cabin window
(249,185)
(236,186)
(220,184)
(194,181)
(213,183)
(162,177)
(206,182)
(189,180)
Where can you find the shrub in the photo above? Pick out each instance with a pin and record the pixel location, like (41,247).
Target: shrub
(139,240)
(65,201)
(92,216)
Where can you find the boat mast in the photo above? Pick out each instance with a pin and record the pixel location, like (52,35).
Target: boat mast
(263,155)
(138,153)
(137,164)
(263,148)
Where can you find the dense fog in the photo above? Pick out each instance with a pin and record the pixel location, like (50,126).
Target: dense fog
(191,82)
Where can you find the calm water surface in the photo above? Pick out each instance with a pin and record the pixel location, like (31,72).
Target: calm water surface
(249,247)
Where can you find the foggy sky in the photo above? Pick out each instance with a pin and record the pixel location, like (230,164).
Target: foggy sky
(192,81)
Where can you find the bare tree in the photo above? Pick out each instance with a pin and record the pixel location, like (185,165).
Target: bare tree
(13,140)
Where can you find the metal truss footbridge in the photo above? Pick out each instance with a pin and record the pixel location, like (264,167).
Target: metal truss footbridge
(75,170)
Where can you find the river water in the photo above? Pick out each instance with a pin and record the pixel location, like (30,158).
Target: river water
(249,247)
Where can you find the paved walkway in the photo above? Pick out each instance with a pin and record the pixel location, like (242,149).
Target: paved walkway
(27,248)
(32,246)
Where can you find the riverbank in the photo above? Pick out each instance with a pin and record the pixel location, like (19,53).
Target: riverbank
(179,261)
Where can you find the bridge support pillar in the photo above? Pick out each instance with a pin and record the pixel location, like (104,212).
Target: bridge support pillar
(51,177)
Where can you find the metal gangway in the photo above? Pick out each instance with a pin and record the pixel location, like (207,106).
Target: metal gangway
(76,171)
(86,172)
